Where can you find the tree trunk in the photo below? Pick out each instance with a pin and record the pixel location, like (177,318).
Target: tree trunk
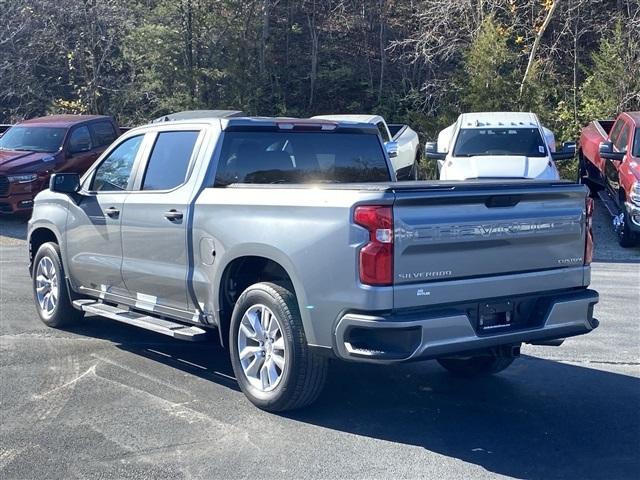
(311,19)
(536,43)
(382,52)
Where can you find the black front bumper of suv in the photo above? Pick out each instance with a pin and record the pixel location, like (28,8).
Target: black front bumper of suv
(456,329)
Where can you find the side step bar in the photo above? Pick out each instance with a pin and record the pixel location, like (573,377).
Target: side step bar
(148,322)
(609,204)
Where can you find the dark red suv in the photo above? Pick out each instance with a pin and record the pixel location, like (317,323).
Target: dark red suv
(32,150)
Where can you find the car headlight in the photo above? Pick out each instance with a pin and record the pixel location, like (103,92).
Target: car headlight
(24,178)
(635,193)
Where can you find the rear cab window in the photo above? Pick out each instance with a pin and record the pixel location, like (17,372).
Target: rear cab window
(277,157)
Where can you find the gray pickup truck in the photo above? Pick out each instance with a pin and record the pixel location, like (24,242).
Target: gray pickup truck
(291,241)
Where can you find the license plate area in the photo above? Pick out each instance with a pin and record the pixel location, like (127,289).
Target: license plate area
(495,316)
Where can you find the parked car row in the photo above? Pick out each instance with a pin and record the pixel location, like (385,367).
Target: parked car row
(292,243)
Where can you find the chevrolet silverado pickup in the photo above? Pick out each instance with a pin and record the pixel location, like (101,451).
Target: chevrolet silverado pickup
(497,145)
(32,150)
(291,242)
(401,142)
(609,162)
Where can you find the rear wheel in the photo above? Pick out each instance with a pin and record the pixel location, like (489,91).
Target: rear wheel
(271,359)
(50,288)
(476,366)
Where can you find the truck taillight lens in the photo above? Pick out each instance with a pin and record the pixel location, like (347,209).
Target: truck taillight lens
(376,257)
(588,237)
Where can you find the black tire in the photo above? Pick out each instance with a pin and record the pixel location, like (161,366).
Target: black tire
(626,237)
(582,169)
(304,373)
(415,172)
(475,366)
(583,172)
(63,312)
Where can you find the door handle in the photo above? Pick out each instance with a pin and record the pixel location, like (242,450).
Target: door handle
(112,212)
(173,215)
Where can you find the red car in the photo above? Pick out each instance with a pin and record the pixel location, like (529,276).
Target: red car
(609,154)
(32,150)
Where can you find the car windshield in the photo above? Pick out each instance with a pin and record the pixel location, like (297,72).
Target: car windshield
(300,157)
(636,143)
(33,139)
(500,141)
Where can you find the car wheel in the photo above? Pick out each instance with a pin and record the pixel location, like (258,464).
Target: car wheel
(475,366)
(626,238)
(271,359)
(50,288)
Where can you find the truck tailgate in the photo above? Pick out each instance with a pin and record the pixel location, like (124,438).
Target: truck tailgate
(472,235)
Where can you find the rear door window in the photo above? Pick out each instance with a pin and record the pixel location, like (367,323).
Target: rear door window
(104,133)
(80,140)
(300,157)
(169,160)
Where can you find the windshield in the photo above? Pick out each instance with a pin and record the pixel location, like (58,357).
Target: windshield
(301,157)
(33,139)
(500,141)
(636,143)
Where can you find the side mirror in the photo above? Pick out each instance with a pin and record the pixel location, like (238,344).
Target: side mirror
(431,151)
(568,152)
(606,151)
(392,149)
(64,183)
(569,147)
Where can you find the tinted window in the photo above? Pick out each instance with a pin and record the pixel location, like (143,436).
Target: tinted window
(383,131)
(615,131)
(104,133)
(500,141)
(80,140)
(169,160)
(300,157)
(636,144)
(621,142)
(114,172)
(33,139)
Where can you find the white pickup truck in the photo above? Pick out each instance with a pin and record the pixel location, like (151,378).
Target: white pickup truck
(497,145)
(401,142)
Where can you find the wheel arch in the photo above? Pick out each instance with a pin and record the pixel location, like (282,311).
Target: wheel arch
(38,237)
(243,271)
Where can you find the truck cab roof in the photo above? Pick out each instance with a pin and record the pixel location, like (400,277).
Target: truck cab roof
(62,120)
(361,118)
(498,119)
(281,123)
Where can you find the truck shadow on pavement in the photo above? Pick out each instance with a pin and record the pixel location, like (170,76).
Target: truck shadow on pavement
(539,419)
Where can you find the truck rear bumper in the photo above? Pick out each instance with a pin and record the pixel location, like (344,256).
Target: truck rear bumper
(422,335)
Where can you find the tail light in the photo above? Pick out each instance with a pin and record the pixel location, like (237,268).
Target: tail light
(376,257)
(588,237)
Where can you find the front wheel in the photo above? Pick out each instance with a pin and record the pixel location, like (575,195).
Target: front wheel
(626,237)
(50,288)
(475,366)
(271,359)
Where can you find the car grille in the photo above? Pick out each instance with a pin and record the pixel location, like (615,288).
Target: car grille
(4,186)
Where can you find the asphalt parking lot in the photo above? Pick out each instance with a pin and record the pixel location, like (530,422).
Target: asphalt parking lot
(104,400)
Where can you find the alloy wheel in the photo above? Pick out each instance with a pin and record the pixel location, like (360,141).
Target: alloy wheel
(261,348)
(47,288)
